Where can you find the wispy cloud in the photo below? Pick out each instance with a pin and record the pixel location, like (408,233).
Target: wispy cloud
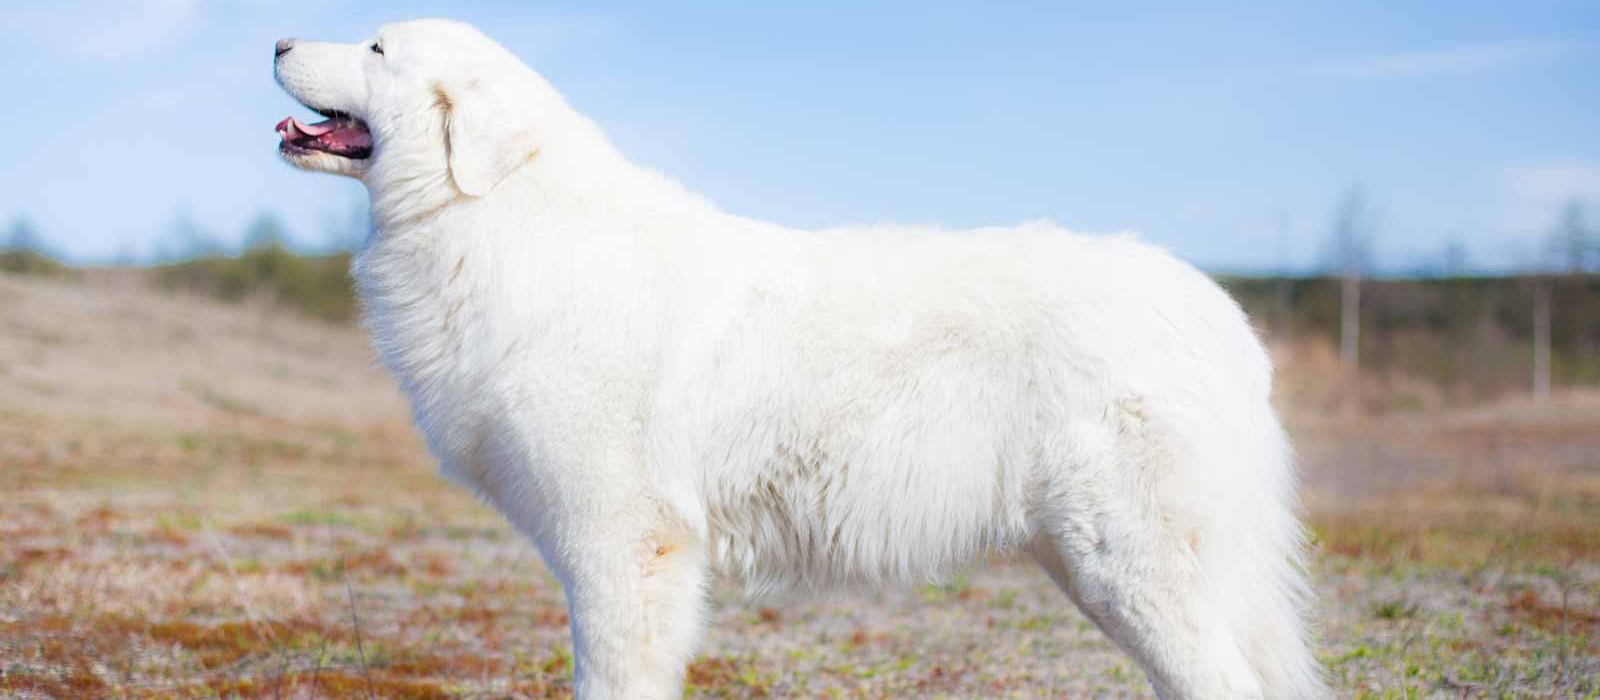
(1447,61)
(140,27)
(97,29)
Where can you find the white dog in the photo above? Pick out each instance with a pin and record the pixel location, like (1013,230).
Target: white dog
(653,390)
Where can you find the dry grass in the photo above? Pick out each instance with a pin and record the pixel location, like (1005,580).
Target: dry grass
(206,501)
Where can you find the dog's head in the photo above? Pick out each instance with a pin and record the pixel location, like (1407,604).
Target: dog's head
(427,98)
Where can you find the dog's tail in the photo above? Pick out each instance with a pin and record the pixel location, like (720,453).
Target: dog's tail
(1257,572)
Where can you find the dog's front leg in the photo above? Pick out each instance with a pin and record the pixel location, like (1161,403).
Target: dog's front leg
(636,590)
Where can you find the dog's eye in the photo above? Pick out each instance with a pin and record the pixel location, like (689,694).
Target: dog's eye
(377,48)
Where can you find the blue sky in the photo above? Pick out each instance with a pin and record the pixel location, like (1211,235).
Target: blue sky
(1226,134)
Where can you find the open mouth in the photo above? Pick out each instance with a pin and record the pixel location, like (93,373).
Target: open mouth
(341,135)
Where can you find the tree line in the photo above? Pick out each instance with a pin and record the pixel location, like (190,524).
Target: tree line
(1569,256)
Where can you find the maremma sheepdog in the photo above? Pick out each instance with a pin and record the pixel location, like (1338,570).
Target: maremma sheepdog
(654,391)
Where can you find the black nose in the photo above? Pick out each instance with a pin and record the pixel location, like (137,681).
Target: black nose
(283,47)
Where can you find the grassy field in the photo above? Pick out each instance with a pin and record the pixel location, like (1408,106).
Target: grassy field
(204,500)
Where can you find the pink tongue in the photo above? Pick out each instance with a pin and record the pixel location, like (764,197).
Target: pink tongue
(293,127)
(334,132)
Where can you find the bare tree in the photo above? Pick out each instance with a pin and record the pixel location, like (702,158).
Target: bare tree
(266,231)
(1541,335)
(23,250)
(23,236)
(1571,247)
(1572,243)
(1454,258)
(1354,227)
(348,230)
(1282,296)
(186,240)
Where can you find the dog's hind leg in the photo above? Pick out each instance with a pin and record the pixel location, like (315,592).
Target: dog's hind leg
(1149,604)
(1108,541)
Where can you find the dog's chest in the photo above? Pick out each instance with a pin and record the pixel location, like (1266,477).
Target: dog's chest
(502,352)
(426,313)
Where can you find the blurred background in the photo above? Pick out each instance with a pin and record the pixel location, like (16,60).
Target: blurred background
(208,490)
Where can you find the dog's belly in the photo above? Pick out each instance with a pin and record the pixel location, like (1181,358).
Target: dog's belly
(878,511)
(893,447)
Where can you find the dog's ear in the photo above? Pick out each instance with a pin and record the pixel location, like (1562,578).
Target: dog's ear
(486,136)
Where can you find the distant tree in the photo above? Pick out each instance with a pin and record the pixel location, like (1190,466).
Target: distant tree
(1573,244)
(187,241)
(1541,335)
(348,231)
(1454,258)
(1354,229)
(127,255)
(22,236)
(24,251)
(266,231)
(1574,249)
(1283,301)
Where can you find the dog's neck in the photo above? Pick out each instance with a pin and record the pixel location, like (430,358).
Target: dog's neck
(421,274)
(576,174)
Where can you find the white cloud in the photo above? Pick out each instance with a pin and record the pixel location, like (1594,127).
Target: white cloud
(1457,60)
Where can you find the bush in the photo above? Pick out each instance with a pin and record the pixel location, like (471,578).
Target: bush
(316,285)
(20,261)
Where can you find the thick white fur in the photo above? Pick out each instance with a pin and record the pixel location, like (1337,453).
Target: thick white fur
(653,390)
